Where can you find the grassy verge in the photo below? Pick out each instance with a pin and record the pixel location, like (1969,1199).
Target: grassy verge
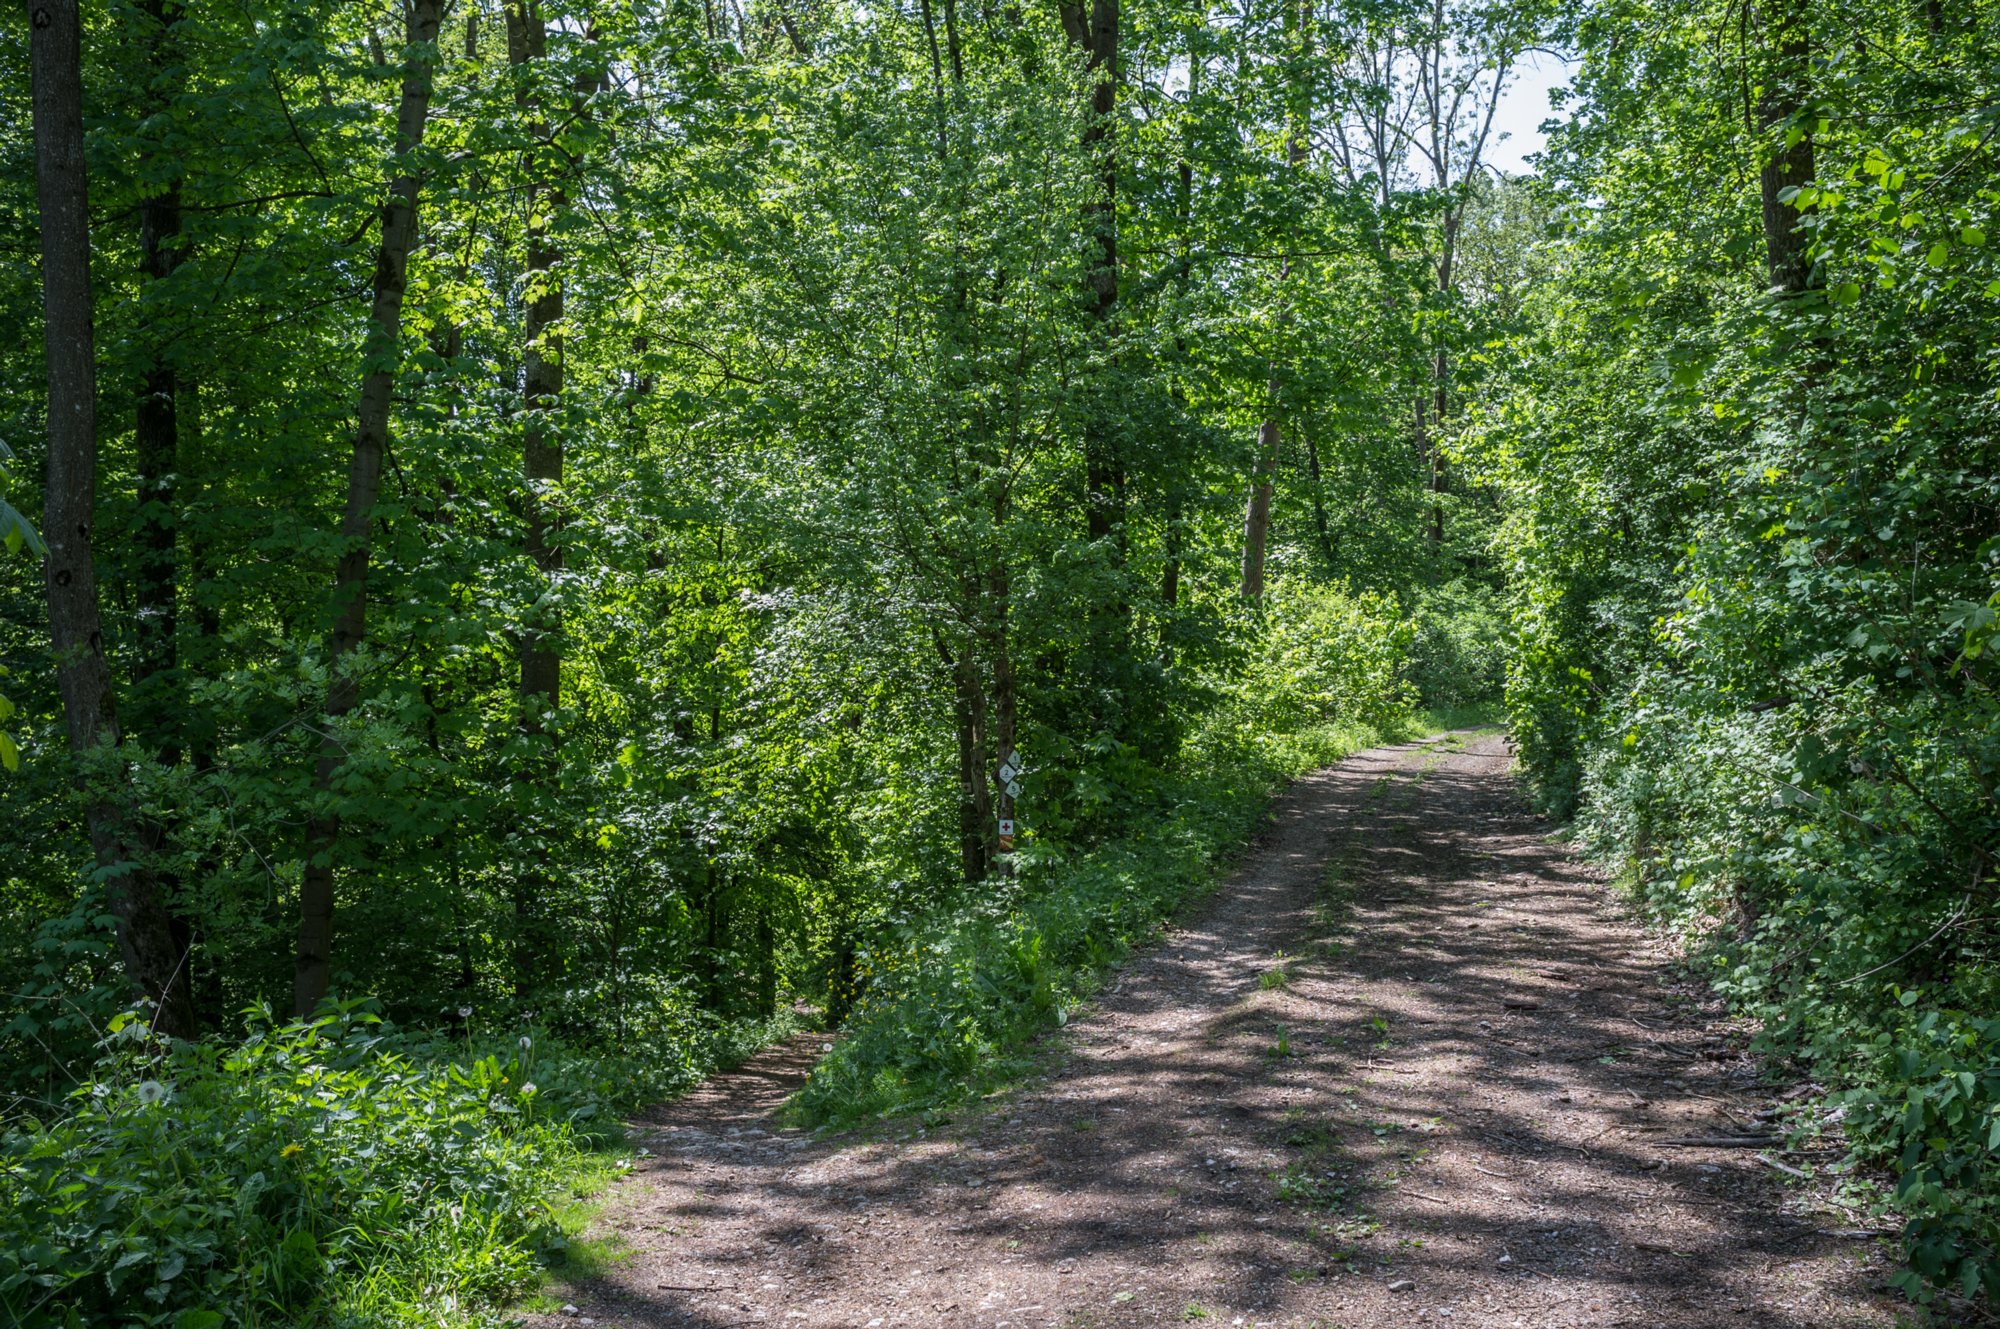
(955,1004)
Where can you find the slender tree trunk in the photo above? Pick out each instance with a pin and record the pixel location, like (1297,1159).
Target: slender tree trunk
(1440,385)
(1319,501)
(379,359)
(1094,30)
(1170,572)
(541,472)
(121,838)
(158,704)
(1004,707)
(969,721)
(767,963)
(159,698)
(542,373)
(1257,511)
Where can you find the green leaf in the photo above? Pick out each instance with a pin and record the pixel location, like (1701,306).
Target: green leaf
(1939,253)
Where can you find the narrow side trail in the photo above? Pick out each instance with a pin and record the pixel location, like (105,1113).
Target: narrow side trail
(1454,1110)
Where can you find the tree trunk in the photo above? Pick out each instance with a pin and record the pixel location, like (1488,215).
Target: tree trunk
(120,836)
(1170,572)
(767,963)
(1319,503)
(541,471)
(1095,31)
(156,436)
(1440,385)
(380,354)
(542,373)
(1004,714)
(158,707)
(1786,88)
(1257,512)
(969,722)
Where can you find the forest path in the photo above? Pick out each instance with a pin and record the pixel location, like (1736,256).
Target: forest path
(1486,1062)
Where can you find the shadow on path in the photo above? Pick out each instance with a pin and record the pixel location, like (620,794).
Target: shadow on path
(1452,1111)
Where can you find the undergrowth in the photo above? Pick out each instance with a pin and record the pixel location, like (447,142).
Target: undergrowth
(331,1172)
(953,1003)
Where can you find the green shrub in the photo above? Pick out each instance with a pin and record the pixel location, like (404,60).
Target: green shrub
(1829,865)
(1458,646)
(1326,655)
(949,998)
(309,1175)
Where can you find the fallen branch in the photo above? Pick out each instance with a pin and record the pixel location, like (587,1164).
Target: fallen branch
(1785,1168)
(1723,1141)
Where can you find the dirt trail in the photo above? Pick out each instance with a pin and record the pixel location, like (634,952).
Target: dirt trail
(1456,1114)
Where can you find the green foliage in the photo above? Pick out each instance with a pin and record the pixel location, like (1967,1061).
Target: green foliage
(949,1000)
(875,460)
(1458,648)
(307,1175)
(949,1004)
(1326,655)
(1751,554)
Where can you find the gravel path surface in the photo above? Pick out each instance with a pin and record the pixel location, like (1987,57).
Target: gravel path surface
(1454,1109)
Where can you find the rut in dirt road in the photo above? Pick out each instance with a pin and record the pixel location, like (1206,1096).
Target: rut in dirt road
(1453,1109)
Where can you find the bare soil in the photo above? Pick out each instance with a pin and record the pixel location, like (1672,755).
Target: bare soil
(1453,1110)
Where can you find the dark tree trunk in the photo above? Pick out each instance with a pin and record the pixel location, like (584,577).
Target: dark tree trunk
(974,795)
(542,374)
(1170,572)
(1786,89)
(1004,714)
(1257,513)
(1319,502)
(541,472)
(120,836)
(1440,385)
(156,446)
(767,964)
(1094,30)
(364,480)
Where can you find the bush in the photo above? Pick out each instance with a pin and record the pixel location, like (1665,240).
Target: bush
(309,1175)
(1829,864)
(1458,647)
(1326,655)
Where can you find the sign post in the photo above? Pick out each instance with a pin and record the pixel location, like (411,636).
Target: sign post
(1010,789)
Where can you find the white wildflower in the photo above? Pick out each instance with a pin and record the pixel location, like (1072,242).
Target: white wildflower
(528,1089)
(152,1091)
